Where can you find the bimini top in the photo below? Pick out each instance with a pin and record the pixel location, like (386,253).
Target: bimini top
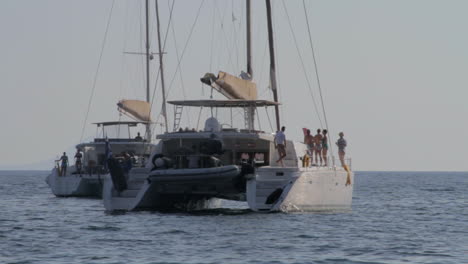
(113,123)
(224,103)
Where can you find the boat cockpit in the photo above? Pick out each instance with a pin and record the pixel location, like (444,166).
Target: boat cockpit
(119,139)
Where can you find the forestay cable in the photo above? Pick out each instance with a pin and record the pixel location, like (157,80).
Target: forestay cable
(97,70)
(180,68)
(185,48)
(303,66)
(317,75)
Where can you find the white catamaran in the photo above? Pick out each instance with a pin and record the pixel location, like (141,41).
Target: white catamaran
(129,151)
(87,180)
(191,169)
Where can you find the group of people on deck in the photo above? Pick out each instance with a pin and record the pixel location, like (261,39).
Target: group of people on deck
(317,146)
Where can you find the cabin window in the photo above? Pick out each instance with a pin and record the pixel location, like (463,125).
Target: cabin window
(260,158)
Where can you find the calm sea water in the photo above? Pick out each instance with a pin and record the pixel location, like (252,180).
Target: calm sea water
(397,217)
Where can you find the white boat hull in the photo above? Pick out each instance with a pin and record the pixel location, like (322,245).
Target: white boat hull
(300,189)
(75,185)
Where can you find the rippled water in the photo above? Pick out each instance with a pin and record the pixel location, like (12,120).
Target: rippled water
(397,217)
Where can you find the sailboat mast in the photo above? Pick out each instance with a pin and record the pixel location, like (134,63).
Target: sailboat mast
(163,88)
(249,111)
(272,63)
(148,126)
(249,41)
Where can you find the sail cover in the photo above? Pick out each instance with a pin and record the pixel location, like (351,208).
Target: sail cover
(233,87)
(139,110)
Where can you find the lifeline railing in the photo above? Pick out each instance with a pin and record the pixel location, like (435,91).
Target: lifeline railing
(331,160)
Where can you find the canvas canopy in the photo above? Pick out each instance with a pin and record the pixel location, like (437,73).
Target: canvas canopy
(231,86)
(139,110)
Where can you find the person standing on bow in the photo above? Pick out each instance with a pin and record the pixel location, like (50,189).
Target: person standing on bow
(78,164)
(309,141)
(324,147)
(63,165)
(280,145)
(341,143)
(318,147)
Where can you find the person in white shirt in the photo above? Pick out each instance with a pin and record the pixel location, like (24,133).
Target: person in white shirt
(280,145)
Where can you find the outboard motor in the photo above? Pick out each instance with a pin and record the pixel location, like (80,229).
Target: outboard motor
(247,170)
(117,174)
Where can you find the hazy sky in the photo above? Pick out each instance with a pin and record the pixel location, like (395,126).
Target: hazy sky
(393,73)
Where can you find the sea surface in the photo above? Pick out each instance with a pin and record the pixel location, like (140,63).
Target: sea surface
(397,217)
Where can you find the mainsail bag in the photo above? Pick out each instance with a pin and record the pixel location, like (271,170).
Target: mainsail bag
(136,109)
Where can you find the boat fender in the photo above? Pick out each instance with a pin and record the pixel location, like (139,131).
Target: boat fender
(117,174)
(155,157)
(274,196)
(161,162)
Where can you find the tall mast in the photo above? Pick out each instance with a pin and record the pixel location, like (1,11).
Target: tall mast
(163,88)
(249,111)
(249,41)
(148,126)
(272,63)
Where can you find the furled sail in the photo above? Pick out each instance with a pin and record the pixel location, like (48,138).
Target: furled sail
(139,110)
(231,86)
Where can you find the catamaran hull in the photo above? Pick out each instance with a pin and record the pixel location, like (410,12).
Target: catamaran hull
(75,185)
(300,189)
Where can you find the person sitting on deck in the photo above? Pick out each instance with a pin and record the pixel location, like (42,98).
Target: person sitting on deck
(138,137)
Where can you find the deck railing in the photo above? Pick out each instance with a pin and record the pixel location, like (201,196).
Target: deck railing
(332,161)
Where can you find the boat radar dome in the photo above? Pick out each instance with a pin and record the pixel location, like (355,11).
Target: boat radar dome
(212,125)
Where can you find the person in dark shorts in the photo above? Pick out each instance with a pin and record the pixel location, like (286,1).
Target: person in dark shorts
(78,162)
(318,147)
(341,143)
(280,145)
(63,164)
(324,147)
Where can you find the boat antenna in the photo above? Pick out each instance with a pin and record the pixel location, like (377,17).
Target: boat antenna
(148,125)
(161,68)
(272,63)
